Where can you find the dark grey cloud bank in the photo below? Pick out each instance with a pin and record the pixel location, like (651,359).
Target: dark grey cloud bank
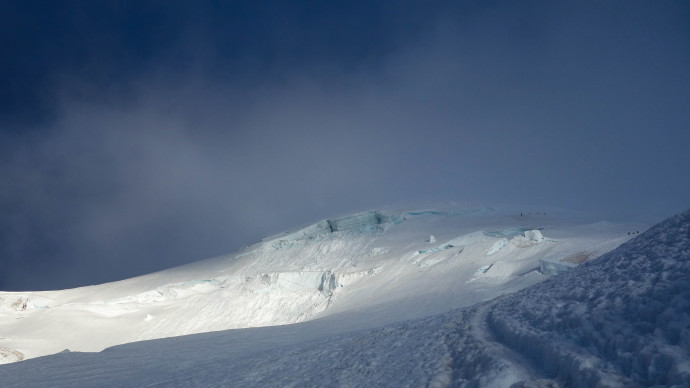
(214,131)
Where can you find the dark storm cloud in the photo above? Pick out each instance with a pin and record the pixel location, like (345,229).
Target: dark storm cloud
(176,140)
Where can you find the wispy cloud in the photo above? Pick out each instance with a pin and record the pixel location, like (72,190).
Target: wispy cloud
(171,165)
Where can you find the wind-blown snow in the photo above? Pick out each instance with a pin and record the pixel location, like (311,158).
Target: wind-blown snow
(394,316)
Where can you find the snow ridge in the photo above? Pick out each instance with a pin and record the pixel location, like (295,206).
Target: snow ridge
(619,320)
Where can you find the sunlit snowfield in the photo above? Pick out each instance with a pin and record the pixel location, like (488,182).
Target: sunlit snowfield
(381,298)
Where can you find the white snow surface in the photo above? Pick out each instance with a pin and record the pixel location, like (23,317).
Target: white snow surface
(376,306)
(621,320)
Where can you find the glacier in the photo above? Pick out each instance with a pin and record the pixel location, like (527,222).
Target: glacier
(362,307)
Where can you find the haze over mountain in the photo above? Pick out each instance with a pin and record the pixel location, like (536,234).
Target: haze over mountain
(410,161)
(136,137)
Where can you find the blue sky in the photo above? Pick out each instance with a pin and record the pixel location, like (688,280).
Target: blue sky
(139,136)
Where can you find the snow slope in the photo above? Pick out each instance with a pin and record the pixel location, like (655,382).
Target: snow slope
(376,304)
(620,320)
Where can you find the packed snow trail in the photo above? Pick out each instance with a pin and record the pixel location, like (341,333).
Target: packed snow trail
(476,353)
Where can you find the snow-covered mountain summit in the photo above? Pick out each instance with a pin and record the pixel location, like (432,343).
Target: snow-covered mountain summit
(376,294)
(434,259)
